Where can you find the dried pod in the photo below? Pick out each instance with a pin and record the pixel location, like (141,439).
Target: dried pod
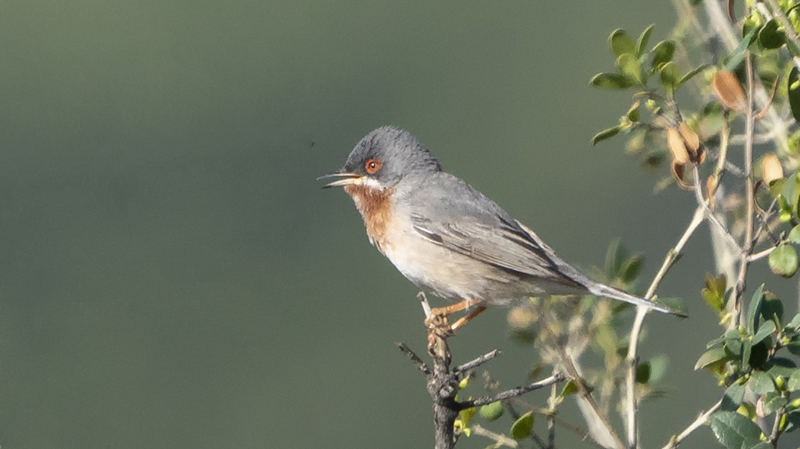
(729,91)
(771,168)
(699,155)
(690,137)
(678,172)
(676,146)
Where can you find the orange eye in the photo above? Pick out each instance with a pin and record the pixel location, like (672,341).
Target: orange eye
(372,166)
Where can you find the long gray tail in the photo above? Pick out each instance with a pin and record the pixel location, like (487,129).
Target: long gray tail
(608,292)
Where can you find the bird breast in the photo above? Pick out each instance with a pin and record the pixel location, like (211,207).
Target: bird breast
(375,206)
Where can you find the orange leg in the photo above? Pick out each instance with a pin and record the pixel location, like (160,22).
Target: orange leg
(439,328)
(438,318)
(451,309)
(467,318)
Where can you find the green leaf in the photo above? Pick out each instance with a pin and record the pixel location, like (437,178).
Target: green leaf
(658,367)
(733,397)
(714,291)
(521,428)
(793,48)
(466,415)
(633,113)
(776,187)
(793,384)
(662,53)
(795,323)
(710,357)
(764,331)
(669,76)
(569,388)
(606,134)
(793,86)
(631,268)
(759,445)
(733,341)
(747,350)
(783,260)
(643,373)
(610,81)
(753,309)
(772,402)
(781,366)
(628,65)
(772,310)
(621,43)
(794,235)
(734,431)
(641,44)
(692,74)
(493,411)
(794,420)
(770,37)
(758,355)
(761,383)
(615,255)
(737,55)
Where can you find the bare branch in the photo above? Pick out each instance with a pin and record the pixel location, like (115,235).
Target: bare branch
(512,393)
(633,347)
(587,397)
(500,440)
(477,362)
(418,363)
(747,249)
(675,441)
(760,255)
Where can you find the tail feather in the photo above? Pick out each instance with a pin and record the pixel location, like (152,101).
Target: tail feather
(612,293)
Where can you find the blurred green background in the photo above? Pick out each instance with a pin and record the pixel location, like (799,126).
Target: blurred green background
(172,276)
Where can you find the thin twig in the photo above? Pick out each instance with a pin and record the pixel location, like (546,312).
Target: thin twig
(747,247)
(499,439)
(633,347)
(675,252)
(587,396)
(414,358)
(760,255)
(702,202)
(477,362)
(512,393)
(675,441)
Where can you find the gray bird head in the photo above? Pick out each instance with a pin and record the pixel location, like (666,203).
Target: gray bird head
(383,158)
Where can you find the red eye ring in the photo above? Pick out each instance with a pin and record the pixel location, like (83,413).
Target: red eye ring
(372,166)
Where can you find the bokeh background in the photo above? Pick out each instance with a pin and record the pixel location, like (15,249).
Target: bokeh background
(171,275)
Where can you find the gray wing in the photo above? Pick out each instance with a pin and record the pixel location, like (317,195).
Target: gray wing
(471,224)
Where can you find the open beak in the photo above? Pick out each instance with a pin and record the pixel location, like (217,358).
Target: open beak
(347,179)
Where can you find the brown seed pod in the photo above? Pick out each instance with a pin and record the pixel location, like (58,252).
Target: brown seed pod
(729,91)
(676,146)
(771,168)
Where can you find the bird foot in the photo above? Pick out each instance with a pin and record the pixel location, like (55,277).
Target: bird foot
(439,330)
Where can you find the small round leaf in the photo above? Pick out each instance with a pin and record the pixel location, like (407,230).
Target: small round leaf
(611,81)
(621,43)
(770,37)
(783,260)
(493,411)
(521,428)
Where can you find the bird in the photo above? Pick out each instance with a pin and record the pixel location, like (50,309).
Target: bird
(451,240)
